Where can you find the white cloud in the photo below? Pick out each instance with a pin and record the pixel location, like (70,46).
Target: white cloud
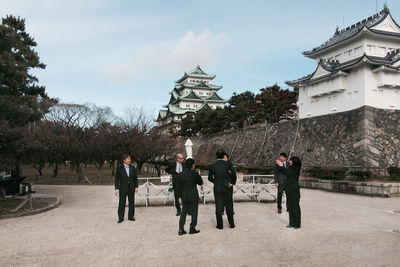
(171,57)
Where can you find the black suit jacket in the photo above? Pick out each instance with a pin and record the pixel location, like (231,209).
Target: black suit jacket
(171,169)
(124,183)
(222,173)
(186,183)
(280,176)
(292,183)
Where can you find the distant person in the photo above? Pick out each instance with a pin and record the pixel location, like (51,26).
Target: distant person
(174,169)
(280,180)
(186,184)
(126,184)
(223,176)
(292,190)
(226,158)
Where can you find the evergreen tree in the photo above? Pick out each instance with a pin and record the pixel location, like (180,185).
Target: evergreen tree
(22,100)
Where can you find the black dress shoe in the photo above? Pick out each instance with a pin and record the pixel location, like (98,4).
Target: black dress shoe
(279,210)
(120,220)
(132,219)
(296,227)
(193,231)
(232,226)
(289,226)
(178,213)
(219,227)
(182,232)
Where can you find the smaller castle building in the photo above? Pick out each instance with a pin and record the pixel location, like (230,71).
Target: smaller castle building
(192,92)
(358,66)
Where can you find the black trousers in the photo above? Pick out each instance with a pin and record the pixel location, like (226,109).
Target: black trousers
(122,202)
(177,205)
(293,203)
(224,200)
(279,200)
(194,207)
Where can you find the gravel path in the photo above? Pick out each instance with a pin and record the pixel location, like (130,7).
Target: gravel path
(337,230)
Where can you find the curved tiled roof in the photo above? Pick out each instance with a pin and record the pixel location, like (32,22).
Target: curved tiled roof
(198,85)
(216,98)
(351,31)
(196,73)
(334,66)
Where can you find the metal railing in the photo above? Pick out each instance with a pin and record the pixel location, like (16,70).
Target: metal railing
(254,190)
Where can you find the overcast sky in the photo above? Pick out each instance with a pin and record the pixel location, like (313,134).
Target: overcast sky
(129,53)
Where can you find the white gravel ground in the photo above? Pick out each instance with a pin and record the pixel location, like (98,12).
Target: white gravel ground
(337,230)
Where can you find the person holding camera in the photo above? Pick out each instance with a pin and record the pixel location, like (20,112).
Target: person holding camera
(186,186)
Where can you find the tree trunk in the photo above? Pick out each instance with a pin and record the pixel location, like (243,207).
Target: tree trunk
(158,168)
(55,171)
(139,166)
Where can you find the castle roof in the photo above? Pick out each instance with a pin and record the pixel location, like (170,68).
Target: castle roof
(200,85)
(196,73)
(330,68)
(370,24)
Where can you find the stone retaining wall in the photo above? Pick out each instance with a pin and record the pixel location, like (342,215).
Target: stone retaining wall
(361,188)
(362,138)
(375,189)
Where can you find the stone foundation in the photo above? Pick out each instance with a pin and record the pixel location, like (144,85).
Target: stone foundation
(364,138)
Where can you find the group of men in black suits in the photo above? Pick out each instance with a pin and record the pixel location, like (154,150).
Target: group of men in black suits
(185,179)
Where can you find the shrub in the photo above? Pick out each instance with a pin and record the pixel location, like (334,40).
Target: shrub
(255,169)
(394,173)
(360,175)
(328,173)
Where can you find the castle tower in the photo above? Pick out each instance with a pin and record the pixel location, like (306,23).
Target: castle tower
(192,92)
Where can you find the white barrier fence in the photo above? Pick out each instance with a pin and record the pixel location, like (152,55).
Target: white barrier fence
(252,190)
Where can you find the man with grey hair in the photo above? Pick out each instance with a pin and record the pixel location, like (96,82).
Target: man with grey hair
(126,185)
(174,169)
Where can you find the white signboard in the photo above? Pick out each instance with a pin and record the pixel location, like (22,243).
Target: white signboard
(165,178)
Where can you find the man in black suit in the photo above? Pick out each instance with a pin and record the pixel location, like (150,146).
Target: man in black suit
(126,184)
(174,169)
(280,180)
(186,185)
(223,175)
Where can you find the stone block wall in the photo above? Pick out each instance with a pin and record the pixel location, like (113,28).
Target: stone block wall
(366,138)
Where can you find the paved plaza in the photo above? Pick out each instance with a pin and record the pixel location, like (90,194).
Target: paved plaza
(337,230)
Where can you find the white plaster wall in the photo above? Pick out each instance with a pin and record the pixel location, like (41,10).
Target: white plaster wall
(384,97)
(192,104)
(344,52)
(366,44)
(379,47)
(352,97)
(197,80)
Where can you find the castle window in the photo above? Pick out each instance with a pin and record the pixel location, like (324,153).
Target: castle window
(371,48)
(187,105)
(200,93)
